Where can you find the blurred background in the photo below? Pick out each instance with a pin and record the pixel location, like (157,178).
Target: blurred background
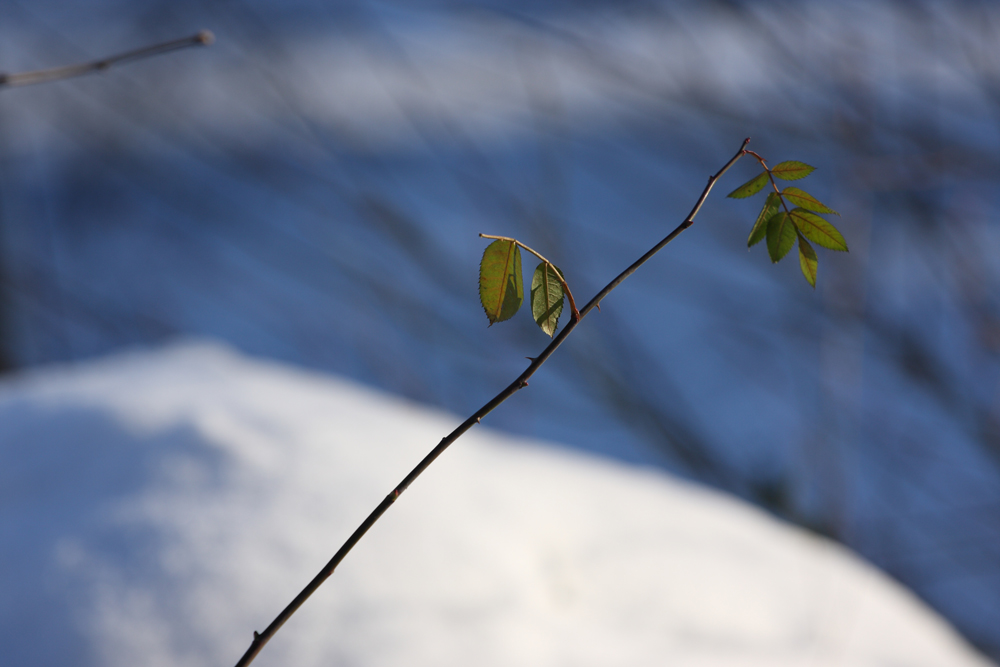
(311,188)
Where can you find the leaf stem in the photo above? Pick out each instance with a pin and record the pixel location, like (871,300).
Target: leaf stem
(770,177)
(203,38)
(562,281)
(260,639)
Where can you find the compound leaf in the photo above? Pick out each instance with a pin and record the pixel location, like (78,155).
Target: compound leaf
(501,288)
(806,201)
(808,261)
(818,230)
(792,170)
(780,236)
(751,187)
(546,298)
(759,230)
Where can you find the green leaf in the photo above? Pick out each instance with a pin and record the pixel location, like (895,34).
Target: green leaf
(792,170)
(806,201)
(751,187)
(808,261)
(501,289)
(780,236)
(759,230)
(818,230)
(546,298)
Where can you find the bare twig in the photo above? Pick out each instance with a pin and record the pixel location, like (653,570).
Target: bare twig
(260,639)
(203,38)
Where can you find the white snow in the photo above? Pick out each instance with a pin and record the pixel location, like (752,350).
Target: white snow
(157,507)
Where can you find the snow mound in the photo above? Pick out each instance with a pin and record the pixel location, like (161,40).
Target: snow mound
(157,507)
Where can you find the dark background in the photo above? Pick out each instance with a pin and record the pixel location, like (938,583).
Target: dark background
(311,188)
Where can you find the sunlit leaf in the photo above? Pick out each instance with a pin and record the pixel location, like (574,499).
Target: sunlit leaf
(751,187)
(546,298)
(759,230)
(792,170)
(818,230)
(806,201)
(501,287)
(808,261)
(780,236)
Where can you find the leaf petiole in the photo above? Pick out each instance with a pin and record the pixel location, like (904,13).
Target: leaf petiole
(574,313)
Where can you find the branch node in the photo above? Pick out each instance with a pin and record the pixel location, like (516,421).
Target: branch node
(256,635)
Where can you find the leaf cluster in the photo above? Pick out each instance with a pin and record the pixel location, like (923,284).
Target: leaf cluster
(501,285)
(790,215)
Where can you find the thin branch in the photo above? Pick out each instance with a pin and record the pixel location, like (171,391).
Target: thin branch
(688,221)
(562,281)
(203,38)
(260,639)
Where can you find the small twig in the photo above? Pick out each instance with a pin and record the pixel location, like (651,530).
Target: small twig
(203,38)
(770,176)
(260,639)
(562,281)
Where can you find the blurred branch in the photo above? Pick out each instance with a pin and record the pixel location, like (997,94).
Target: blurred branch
(202,38)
